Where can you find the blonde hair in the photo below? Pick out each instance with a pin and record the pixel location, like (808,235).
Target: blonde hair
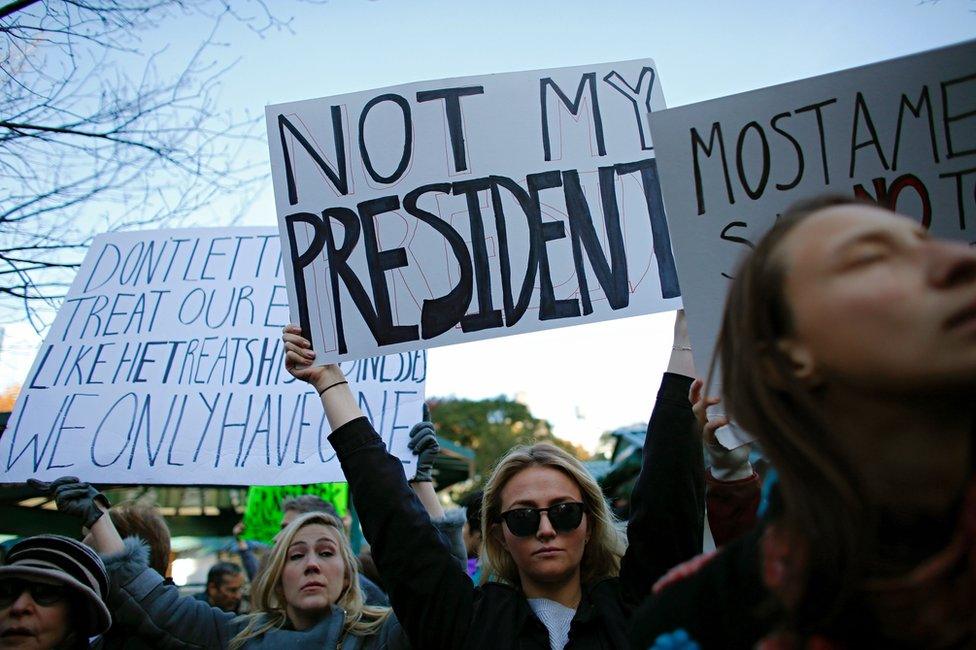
(267,596)
(601,556)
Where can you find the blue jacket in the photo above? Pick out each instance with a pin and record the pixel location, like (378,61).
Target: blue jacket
(155,611)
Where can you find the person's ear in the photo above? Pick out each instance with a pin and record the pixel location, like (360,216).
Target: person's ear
(801,362)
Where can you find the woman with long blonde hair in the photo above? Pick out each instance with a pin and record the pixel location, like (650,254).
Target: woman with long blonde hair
(603,544)
(308,596)
(275,601)
(557,575)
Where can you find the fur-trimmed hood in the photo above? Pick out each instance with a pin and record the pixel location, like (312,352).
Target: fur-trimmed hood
(128,563)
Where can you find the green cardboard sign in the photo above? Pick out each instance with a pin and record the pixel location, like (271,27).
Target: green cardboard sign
(262,513)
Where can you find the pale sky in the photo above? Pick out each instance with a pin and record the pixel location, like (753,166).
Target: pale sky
(587,379)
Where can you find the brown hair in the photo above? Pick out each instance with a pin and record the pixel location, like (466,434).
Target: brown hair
(819,487)
(601,557)
(132,519)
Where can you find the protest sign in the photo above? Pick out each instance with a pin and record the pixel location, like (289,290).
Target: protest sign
(262,512)
(164,365)
(900,132)
(446,211)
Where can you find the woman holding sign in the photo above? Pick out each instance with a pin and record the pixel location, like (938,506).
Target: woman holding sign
(559,578)
(848,349)
(308,596)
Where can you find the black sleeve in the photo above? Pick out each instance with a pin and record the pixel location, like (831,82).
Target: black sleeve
(667,504)
(433,598)
(721,605)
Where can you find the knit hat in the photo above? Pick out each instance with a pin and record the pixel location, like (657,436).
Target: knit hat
(64,561)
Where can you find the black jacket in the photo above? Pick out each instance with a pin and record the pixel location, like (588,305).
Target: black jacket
(435,600)
(723,604)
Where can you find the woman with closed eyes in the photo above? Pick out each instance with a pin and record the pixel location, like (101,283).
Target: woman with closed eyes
(848,349)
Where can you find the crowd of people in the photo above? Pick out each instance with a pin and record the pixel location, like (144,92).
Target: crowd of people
(847,352)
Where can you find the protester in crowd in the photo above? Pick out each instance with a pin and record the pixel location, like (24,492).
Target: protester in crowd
(145,522)
(848,349)
(550,543)
(307,597)
(225,587)
(51,595)
(732,488)
(245,550)
(449,524)
(471,533)
(293,507)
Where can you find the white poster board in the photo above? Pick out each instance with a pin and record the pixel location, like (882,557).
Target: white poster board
(446,211)
(164,365)
(901,132)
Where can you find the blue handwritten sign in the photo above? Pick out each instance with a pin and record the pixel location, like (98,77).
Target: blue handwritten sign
(165,365)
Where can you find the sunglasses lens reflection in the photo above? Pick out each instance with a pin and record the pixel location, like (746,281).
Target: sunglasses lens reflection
(522,522)
(563,517)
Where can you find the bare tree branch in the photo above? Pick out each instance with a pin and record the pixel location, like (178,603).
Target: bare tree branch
(95,138)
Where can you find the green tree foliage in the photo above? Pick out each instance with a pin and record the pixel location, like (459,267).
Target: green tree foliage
(491,427)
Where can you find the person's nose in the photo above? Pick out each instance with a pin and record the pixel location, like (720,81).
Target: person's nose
(24,604)
(950,263)
(313,564)
(545,531)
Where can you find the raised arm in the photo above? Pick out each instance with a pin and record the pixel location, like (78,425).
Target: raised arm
(666,525)
(732,488)
(243,548)
(143,604)
(423,443)
(432,596)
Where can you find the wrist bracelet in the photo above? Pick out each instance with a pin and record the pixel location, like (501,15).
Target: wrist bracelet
(686,348)
(332,386)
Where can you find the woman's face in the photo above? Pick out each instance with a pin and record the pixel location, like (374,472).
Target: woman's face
(548,556)
(26,624)
(878,303)
(313,577)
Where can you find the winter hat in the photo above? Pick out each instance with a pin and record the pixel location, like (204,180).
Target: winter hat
(64,561)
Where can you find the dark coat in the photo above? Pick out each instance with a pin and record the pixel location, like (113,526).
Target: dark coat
(434,599)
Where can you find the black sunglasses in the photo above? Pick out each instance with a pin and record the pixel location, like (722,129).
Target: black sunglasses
(563,517)
(42,593)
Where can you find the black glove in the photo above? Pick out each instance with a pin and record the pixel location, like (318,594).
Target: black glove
(74,498)
(423,444)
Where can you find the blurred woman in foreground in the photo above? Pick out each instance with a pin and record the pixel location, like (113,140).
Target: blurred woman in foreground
(848,349)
